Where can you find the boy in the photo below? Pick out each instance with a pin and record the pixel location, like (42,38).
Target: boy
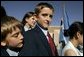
(37,41)
(11,37)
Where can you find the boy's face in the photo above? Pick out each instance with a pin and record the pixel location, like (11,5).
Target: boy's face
(44,17)
(14,39)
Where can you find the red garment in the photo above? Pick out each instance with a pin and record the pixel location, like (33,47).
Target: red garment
(52,45)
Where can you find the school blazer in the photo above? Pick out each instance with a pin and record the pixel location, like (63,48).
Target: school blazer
(4,52)
(35,43)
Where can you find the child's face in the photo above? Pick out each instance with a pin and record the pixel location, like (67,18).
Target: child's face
(31,21)
(14,39)
(44,17)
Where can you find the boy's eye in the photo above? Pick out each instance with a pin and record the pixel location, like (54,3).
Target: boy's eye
(44,14)
(15,35)
(47,15)
(33,19)
(51,16)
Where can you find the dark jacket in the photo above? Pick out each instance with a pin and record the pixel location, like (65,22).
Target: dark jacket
(4,52)
(35,44)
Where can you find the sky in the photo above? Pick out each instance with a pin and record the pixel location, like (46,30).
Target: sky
(18,9)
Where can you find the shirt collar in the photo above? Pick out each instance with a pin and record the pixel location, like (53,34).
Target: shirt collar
(26,28)
(12,53)
(44,31)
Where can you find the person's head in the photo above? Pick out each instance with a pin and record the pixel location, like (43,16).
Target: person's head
(29,19)
(44,13)
(11,35)
(3,12)
(75,31)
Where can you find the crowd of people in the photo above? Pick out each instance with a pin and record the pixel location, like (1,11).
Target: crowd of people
(31,36)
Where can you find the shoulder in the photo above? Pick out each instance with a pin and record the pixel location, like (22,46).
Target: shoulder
(66,49)
(69,52)
(4,52)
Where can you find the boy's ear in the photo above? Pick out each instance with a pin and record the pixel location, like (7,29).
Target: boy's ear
(3,43)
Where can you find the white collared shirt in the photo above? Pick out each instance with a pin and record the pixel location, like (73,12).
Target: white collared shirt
(69,45)
(44,31)
(12,53)
(26,28)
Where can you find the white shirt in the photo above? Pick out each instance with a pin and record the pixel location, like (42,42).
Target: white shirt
(69,45)
(26,28)
(44,31)
(12,53)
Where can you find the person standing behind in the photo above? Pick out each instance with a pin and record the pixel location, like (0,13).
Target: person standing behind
(37,40)
(75,32)
(3,12)
(29,21)
(11,36)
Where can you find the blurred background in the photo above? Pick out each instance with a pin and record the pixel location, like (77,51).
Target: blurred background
(74,9)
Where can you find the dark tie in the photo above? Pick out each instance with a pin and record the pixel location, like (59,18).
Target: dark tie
(52,45)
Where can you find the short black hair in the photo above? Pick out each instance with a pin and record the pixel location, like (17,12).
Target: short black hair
(73,29)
